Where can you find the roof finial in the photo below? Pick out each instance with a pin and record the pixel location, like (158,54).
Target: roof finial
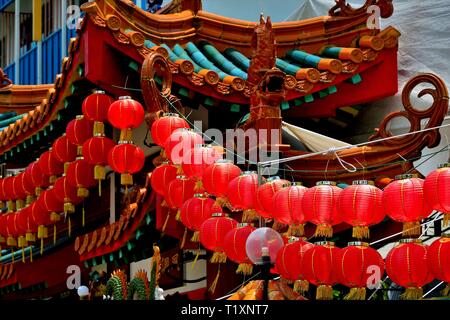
(261,18)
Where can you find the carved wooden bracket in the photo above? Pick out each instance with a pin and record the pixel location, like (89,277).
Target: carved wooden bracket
(343,9)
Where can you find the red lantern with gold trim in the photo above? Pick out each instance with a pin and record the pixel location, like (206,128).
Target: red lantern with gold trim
(80,174)
(64,150)
(3,229)
(217,177)
(177,192)
(290,262)
(358,263)
(95,151)
(320,205)
(180,142)
(321,263)
(26,223)
(234,247)
(95,108)
(36,177)
(438,258)
(242,194)
(195,211)
(196,160)
(399,262)
(126,114)
(287,204)
(126,159)
(53,206)
(26,187)
(436,187)
(8,189)
(164,126)
(404,201)
(50,165)
(41,218)
(67,194)
(265,194)
(361,205)
(162,176)
(79,130)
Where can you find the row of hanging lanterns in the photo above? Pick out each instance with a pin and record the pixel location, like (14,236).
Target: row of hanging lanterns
(62,176)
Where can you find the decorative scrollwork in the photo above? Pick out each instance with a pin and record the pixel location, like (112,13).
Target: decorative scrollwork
(434,114)
(304,86)
(343,9)
(290,82)
(349,67)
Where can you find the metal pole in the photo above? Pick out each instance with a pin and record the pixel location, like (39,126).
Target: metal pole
(17,42)
(64,28)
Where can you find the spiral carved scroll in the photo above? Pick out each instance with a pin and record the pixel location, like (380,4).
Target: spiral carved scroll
(434,114)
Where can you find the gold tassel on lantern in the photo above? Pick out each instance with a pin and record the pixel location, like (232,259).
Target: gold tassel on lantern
(324,292)
(19,204)
(126,135)
(198,185)
(11,242)
(66,166)
(412,294)
(249,215)
(52,179)
(356,294)
(54,217)
(219,257)
(164,204)
(31,253)
(68,206)
(412,229)
(165,222)
(29,200)
(11,206)
(245,268)
(446,291)
(99,174)
(360,232)
(79,151)
(99,129)
(213,286)
(2,204)
(301,286)
(126,179)
(30,237)
(184,239)
(83,216)
(37,191)
(446,219)
(324,230)
(178,216)
(69,226)
(22,242)
(82,192)
(42,234)
(195,237)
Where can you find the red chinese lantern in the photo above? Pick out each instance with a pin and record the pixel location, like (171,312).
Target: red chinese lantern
(177,192)
(320,205)
(2,194)
(25,185)
(195,211)
(234,247)
(8,189)
(404,201)
(438,258)
(212,236)
(265,193)
(80,174)
(436,187)
(11,230)
(41,218)
(217,177)
(126,159)
(53,206)
(79,130)
(290,262)
(162,176)
(26,223)
(359,263)
(406,265)
(164,126)
(36,177)
(126,114)
(196,160)
(67,194)
(64,150)
(361,206)
(3,230)
(50,165)
(242,194)
(180,142)
(95,151)
(95,108)
(288,208)
(320,266)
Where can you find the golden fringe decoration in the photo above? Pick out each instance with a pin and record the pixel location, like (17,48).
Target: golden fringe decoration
(163,154)
(2,204)
(53,179)
(446,219)
(165,222)
(11,242)
(37,191)
(82,192)
(69,222)
(195,237)
(99,174)
(356,294)
(412,294)
(198,185)
(42,246)
(446,291)
(11,206)
(29,200)
(83,216)
(301,286)
(412,229)
(196,258)
(324,292)
(213,286)
(19,204)
(184,239)
(99,128)
(245,268)
(66,166)
(23,255)
(54,234)
(178,215)
(69,207)
(249,215)
(164,204)
(179,169)
(324,230)
(79,151)
(297,230)
(126,179)
(126,134)
(221,201)
(360,232)
(219,257)
(31,253)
